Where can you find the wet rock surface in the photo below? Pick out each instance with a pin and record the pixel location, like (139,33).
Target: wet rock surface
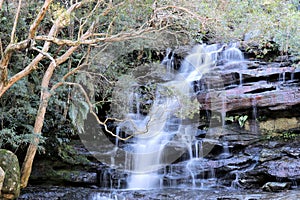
(227,155)
(285,167)
(65,193)
(275,186)
(267,92)
(235,165)
(243,85)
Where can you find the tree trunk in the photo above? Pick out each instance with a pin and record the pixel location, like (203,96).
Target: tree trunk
(31,151)
(39,121)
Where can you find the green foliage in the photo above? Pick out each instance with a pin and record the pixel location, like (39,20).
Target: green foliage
(10,138)
(18,111)
(7,15)
(241,120)
(17,115)
(289,135)
(286,136)
(219,21)
(249,21)
(69,155)
(78,113)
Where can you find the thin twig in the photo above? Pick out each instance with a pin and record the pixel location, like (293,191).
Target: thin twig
(87,99)
(101,75)
(39,19)
(45,54)
(12,36)
(1,48)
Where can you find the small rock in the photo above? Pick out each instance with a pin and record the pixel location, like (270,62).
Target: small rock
(275,186)
(282,58)
(268,154)
(295,152)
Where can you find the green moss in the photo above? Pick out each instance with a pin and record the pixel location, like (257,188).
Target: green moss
(69,155)
(10,164)
(285,136)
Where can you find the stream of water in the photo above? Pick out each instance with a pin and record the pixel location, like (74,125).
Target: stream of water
(156,130)
(177,152)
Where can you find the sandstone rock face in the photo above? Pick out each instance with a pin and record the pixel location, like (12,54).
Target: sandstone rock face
(10,165)
(269,93)
(239,88)
(281,124)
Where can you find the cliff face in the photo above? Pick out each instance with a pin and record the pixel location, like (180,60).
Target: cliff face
(247,136)
(269,93)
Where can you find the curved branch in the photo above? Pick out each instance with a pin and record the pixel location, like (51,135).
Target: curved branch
(113,38)
(86,97)
(6,84)
(203,20)
(45,54)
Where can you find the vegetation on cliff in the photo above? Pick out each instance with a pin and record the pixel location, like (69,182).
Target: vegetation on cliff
(51,50)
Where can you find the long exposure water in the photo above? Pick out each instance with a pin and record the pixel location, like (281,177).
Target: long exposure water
(168,156)
(165,121)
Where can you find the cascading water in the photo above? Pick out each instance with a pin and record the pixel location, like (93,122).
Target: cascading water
(149,144)
(166,120)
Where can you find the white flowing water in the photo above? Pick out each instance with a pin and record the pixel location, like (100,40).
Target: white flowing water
(170,106)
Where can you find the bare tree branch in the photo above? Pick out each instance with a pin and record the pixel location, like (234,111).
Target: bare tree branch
(39,121)
(80,32)
(45,54)
(91,109)
(113,38)
(1,48)
(6,84)
(12,36)
(203,20)
(39,19)
(97,74)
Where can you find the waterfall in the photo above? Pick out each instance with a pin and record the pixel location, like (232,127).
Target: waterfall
(149,145)
(154,131)
(169,61)
(254,126)
(232,53)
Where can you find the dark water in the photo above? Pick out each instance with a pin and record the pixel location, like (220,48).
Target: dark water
(78,193)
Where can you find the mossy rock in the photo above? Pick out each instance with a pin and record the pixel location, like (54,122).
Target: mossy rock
(2,176)
(10,165)
(69,155)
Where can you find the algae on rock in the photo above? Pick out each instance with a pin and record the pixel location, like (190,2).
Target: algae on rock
(10,165)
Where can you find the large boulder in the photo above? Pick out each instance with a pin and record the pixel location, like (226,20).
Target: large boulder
(11,184)
(284,168)
(2,176)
